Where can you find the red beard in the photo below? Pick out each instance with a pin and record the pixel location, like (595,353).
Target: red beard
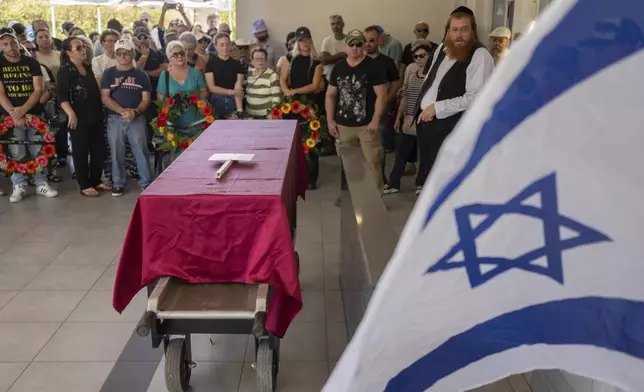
(458,52)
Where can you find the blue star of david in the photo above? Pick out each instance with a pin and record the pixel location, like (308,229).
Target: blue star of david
(553,247)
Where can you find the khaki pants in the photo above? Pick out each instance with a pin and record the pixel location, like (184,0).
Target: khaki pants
(370,144)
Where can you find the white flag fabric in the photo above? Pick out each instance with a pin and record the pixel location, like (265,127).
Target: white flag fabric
(525,249)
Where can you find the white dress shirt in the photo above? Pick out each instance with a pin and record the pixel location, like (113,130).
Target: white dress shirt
(477,73)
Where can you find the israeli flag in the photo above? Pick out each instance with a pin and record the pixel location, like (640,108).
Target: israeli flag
(526,248)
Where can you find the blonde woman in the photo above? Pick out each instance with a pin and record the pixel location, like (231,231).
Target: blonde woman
(301,74)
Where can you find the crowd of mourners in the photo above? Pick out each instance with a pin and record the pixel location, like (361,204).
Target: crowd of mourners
(98,89)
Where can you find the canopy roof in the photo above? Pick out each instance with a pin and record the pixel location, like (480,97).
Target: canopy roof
(223,5)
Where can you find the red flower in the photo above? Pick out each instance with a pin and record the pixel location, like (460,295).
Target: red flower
(194,98)
(3,158)
(22,168)
(163,116)
(34,121)
(276,113)
(8,121)
(160,123)
(49,150)
(41,128)
(296,107)
(170,102)
(183,145)
(315,135)
(207,111)
(3,128)
(31,167)
(11,167)
(306,112)
(42,161)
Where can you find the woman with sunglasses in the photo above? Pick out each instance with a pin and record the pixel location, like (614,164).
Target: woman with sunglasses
(80,98)
(179,78)
(404,124)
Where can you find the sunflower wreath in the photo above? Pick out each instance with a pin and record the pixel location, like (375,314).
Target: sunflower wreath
(310,123)
(170,109)
(27,165)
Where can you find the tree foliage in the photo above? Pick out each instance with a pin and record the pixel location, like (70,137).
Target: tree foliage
(84,16)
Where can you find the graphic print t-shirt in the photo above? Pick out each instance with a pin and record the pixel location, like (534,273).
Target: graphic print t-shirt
(127,86)
(18,82)
(356,98)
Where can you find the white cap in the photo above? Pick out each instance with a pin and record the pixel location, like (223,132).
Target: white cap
(12,23)
(501,32)
(243,42)
(124,43)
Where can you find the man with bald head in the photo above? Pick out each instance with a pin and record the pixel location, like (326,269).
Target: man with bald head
(421,32)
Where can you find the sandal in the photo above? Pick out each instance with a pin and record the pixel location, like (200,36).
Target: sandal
(89,192)
(51,177)
(102,187)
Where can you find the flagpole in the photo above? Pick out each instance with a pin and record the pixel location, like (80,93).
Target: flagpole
(53,18)
(98,16)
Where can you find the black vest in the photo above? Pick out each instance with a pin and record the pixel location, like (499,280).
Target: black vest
(452,85)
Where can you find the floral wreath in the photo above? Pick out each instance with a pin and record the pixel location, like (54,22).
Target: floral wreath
(27,165)
(171,109)
(309,127)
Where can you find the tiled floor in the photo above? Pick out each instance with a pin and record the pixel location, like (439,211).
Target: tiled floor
(58,331)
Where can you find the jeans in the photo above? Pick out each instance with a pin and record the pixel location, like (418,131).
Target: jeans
(62,146)
(431,136)
(117,130)
(406,148)
(223,105)
(19,152)
(387,140)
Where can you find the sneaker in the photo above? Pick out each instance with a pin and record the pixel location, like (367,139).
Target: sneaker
(116,192)
(19,193)
(2,192)
(388,190)
(46,190)
(418,190)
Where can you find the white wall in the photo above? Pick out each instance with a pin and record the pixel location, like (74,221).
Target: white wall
(397,17)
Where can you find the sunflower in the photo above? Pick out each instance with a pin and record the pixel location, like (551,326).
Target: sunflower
(161,129)
(170,136)
(314,125)
(210,119)
(310,143)
(286,108)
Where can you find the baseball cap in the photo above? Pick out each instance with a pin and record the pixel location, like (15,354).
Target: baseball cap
(7,31)
(354,35)
(124,43)
(302,32)
(171,31)
(141,33)
(501,32)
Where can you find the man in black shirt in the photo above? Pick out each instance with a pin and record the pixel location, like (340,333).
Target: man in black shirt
(225,78)
(386,130)
(356,101)
(21,87)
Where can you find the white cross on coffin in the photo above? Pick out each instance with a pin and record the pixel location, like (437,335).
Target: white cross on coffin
(228,160)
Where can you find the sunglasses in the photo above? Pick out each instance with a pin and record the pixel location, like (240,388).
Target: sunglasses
(420,56)
(355,44)
(142,37)
(145,20)
(178,55)
(122,53)
(422,30)
(79,48)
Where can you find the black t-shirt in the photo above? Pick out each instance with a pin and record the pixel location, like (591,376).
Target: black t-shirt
(224,71)
(302,71)
(388,64)
(18,82)
(356,97)
(155,59)
(81,92)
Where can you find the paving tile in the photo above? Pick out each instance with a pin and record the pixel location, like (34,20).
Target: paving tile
(87,253)
(67,277)
(33,252)
(499,386)
(5,297)
(21,342)
(518,383)
(97,307)
(17,276)
(9,373)
(63,377)
(337,340)
(293,377)
(41,306)
(54,232)
(87,342)
(313,308)
(106,281)
(309,234)
(223,348)
(130,377)
(304,342)
(206,377)
(334,306)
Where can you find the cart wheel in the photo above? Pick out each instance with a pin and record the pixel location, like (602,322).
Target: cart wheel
(177,366)
(267,363)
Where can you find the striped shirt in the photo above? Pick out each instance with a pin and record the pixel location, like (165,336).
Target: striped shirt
(262,93)
(411,87)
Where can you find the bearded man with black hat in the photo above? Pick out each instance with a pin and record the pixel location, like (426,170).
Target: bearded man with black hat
(460,68)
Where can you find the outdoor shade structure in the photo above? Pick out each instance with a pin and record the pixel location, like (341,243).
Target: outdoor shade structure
(219,4)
